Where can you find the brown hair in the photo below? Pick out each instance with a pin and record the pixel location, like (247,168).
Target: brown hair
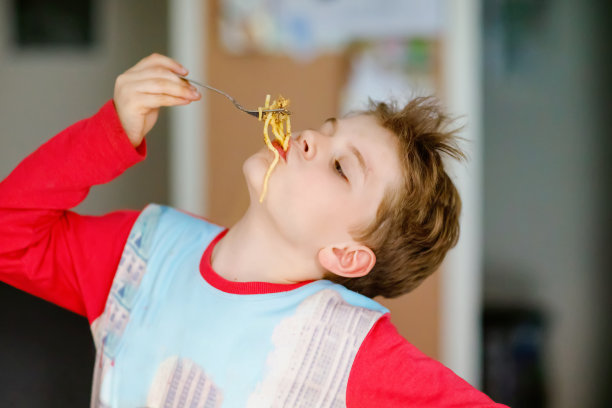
(417,223)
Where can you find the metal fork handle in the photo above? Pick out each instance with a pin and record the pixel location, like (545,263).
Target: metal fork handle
(236,104)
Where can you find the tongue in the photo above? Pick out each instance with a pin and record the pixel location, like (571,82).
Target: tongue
(280,150)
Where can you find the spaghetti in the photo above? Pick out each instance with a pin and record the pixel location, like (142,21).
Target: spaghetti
(281,128)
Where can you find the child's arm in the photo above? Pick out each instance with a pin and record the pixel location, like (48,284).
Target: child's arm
(57,254)
(390,372)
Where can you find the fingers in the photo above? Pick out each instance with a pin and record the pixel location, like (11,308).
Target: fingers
(159,60)
(153,101)
(165,86)
(154,80)
(150,84)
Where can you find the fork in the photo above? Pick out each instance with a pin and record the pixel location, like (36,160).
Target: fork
(236,104)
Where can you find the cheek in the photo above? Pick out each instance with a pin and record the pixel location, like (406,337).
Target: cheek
(314,221)
(316,202)
(310,185)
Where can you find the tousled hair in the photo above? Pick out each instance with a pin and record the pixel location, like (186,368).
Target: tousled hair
(417,222)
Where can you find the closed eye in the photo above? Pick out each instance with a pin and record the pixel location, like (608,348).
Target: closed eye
(338,168)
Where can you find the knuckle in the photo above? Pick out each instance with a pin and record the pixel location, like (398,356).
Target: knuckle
(157,57)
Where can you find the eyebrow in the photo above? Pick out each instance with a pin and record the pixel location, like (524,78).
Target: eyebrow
(333,121)
(353,149)
(360,159)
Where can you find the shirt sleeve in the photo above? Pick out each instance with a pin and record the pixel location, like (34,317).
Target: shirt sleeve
(54,253)
(390,372)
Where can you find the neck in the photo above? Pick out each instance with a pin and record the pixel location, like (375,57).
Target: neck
(253,251)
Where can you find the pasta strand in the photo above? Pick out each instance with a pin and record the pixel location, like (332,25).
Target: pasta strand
(281,129)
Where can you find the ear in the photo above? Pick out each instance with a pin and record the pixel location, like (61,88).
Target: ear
(350,260)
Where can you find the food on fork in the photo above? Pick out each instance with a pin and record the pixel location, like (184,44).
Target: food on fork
(281,128)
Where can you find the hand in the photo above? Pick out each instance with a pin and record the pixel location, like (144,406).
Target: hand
(143,89)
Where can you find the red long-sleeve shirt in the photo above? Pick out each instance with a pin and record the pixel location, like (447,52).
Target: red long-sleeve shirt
(70,260)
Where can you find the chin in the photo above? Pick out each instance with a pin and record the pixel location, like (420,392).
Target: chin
(254,170)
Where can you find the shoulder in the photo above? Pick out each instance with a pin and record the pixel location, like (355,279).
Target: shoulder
(355,299)
(158,224)
(161,216)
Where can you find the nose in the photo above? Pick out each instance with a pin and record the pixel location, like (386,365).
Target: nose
(306,142)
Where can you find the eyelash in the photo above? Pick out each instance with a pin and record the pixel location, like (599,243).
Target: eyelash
(339,170)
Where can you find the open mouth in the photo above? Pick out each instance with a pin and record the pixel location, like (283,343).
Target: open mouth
(279,149)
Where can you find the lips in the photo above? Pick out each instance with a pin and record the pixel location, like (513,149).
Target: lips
(279,149)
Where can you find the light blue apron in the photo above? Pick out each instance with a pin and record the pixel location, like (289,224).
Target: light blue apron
(167,338)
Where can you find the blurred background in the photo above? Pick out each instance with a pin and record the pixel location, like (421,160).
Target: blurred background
(519,308)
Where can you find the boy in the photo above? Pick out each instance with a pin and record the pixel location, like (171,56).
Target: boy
(186,313)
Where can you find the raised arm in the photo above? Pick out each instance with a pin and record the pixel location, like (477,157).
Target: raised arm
(52,252)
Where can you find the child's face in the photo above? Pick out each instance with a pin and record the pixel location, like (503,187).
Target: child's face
(332,182)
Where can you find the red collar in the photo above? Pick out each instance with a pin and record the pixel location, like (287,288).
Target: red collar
(239,288)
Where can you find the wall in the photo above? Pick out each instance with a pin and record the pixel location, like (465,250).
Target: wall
(603,66)
(44,91)
(544,182)
(47,352)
